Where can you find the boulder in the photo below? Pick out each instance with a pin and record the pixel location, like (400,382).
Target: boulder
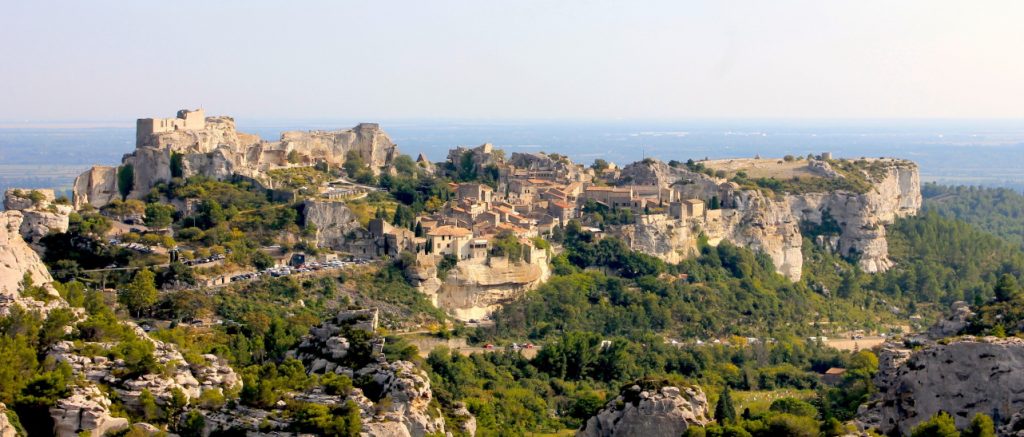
(963,377)
(87,411)
(666,411)
(408,388)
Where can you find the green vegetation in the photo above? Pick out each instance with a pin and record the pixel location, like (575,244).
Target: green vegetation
(125,180)
(999,211)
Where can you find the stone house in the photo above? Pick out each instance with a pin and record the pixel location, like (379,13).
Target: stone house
(450,240)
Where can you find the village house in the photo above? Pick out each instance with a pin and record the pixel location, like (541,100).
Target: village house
(450,240)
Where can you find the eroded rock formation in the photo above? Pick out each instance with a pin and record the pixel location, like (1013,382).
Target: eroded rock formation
(963,377)
(475,288)
(773,222)
(16,259)
(332,219)
(41,216)
(85,412)
(666,411)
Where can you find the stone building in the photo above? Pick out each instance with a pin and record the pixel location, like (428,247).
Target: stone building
(185,120)
(450,240)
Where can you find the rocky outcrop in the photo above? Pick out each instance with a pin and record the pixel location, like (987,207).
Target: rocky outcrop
(963,377)
(325,348)
(41,215)
(666,411)
(401,404)
(85,412)
(408,391)
(17,259)
(333,220)
(192,379)
(96,187)
(6,427)
(774,222)
(214,148)
(475,288)
(366,139)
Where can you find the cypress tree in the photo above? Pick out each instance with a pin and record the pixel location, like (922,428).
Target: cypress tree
(725,412)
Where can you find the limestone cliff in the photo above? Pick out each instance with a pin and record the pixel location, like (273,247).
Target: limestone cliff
(772,222)
(17,259)
(214,148)
(96,187)
(41,216)
(475,288)
(332,221)
(963,377)
(665,411)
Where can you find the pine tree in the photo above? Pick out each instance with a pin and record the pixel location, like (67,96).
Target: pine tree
(725,412)
(1006,288)
(981,426)
(140,294)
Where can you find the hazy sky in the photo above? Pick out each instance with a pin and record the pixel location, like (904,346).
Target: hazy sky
(107,60)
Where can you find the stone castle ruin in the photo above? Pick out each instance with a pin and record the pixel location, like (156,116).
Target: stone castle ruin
(212,147)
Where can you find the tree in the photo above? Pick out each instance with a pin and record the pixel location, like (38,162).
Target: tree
(981,426)
(159,215)
(353,163)
(725,412)
(940,425)
(192,424)
(261,260)
(125,180)
(1006,288)
(151,412)
(793,406)
(177,167)
(294,157)
(140,294)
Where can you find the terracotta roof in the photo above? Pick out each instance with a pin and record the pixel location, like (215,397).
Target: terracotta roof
(562,205)
(450,231)
(835,371)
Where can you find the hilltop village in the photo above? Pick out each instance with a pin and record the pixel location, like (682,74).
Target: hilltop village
(326,283)
(488,218)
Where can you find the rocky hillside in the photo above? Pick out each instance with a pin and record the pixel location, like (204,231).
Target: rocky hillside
(775,221)
(41,214)
(18,259)
(666,411)
(218,150)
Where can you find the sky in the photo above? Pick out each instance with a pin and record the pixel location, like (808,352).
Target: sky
(523,59)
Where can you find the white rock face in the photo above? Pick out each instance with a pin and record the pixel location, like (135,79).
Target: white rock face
(967,376)
(332,220)
(476,288)
(16,259)
(665,412)
(191,379)
(96,187)
(40,218)
(219,151)
(88,410)
(409,391)
(772,224)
